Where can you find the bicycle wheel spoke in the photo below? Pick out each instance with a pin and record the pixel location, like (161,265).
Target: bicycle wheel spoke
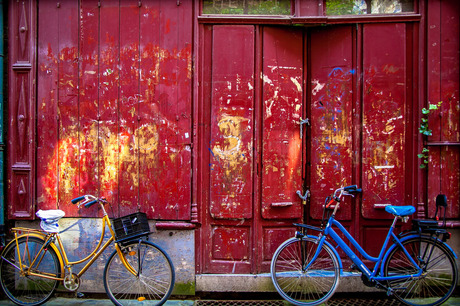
(23,289)
(304,287)
(154,279)
(439,276)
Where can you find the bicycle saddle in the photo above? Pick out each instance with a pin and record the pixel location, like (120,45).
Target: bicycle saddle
(400,211)
(50,219)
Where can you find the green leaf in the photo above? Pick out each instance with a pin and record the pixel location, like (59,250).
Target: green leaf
(425,111)
(427,133)
(425,150)
(421,155)
(422,166)
(433,106)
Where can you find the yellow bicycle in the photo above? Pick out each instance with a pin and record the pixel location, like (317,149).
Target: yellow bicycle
(137,272)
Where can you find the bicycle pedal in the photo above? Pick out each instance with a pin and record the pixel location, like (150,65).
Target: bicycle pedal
(80,295)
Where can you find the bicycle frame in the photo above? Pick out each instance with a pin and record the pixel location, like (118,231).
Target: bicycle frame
(376,274)
(50,238)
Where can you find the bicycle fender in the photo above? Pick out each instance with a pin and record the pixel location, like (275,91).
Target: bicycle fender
(52,245)
(404,238)
(333,250)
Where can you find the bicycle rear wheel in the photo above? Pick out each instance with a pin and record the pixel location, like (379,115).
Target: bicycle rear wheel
(304,288)
(439,277)
(25,289)
(154,279)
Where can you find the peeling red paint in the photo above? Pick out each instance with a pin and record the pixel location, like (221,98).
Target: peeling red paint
(121,118)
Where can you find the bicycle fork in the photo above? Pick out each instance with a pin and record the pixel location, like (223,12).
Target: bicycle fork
(319,242)
(129,267)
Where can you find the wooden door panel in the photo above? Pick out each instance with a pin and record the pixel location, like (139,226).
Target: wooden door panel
(331,116)
(444,86)
(384,118)
(282,111)
(232,122)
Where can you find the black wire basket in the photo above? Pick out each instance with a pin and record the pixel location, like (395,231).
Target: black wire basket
(131,226)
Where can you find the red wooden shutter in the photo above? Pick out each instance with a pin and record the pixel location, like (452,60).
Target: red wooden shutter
(21,96)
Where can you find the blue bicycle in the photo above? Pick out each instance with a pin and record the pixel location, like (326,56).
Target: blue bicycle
(415,266)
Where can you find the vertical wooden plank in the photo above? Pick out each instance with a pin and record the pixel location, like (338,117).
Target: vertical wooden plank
(128,107)
(88,104)
(47,100)
(150,182)
(231,122)
(165,110)
(331,86)
(109,59)
(282,147)
(67,154)
(384,105)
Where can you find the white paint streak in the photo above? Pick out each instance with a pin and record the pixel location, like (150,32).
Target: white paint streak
(297,84)
(318,87)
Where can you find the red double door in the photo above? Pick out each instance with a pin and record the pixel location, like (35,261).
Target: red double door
(257,84)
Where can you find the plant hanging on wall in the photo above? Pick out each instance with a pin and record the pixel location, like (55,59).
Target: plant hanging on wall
(425,130)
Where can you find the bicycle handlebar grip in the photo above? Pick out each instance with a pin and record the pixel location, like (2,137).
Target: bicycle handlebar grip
(76,200)
(90,203)
(353,189)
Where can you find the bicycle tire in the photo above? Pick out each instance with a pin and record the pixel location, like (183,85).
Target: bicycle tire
(304,288)
(155,279)
(28,290)
(439,279)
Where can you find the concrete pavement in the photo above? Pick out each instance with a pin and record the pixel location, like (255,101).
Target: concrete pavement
(342,301)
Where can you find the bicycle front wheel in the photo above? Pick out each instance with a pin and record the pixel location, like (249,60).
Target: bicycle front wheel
(312,286)
(439,277)
(21,287)
(152,282)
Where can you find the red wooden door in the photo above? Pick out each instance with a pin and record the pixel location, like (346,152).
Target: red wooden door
(358,134)
(254,99)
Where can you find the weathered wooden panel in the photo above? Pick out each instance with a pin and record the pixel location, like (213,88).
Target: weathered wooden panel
(121,125)
(21,109)
(331,116)
(128,187)
(443,86)
(282,111)
(165,109)
(67,154)
(272,239)
(232,244)
(47,111)
(232,122)
(108,147)
(384,116)
(88,105)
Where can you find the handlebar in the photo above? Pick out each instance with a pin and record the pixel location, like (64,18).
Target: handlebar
(89,200)
(338,193)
